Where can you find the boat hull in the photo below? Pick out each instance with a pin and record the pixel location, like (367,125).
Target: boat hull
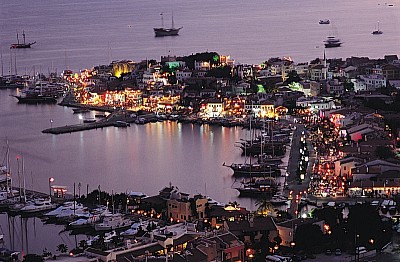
(36,100)
(160,32)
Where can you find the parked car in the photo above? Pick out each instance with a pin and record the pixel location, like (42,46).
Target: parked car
(328,252)
(270,258)
(338,252)
(296,258)
(361,250)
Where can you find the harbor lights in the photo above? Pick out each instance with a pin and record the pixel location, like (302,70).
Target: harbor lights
(51,123)
(51,180)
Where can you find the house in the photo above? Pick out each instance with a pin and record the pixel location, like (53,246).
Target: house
(214,108)
(287,229)
(182,75)
(267,109)
(317,72)
(252,229)
(182,210)
(343,166)
(219,214)
(228,247)
(335,87)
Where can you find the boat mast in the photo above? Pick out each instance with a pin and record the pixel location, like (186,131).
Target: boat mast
(173,19)
(1,58)
(8,169)
(23,34)
(162,20)
(17,39)
(23,177)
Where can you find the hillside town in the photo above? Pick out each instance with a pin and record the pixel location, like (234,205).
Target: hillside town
(341,196)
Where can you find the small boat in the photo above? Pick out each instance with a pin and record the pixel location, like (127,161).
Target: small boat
(21,45)
(80,110)
(377,31)
(332,41)
(278,200)
(121,124)
(324,22)
(164,31)
(89,120)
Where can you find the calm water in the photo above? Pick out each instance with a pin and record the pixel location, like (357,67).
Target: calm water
(80,34)
(139,158)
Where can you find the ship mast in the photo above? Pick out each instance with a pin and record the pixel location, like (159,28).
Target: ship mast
(162,20)
(23,34)
(173,20)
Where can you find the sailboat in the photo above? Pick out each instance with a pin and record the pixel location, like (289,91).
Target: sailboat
(21,45)
(164,31)
(377,31)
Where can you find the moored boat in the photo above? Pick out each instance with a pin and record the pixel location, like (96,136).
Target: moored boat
(164,31)
(112,222)
(332,41)
(39,205)
(19,45)
(266,187)
(324,22)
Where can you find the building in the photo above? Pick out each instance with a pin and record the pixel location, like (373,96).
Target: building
(287,229)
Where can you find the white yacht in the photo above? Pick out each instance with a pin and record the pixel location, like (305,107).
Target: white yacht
(39,205)
(84,222)
(115,221)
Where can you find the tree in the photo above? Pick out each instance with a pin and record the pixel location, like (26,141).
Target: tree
(308,236)
(83,244)
(63,248)
(364,221)
(33,258)
(264,206)
(293,77)
(383,152)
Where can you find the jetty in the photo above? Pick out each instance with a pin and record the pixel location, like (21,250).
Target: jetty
(78,127)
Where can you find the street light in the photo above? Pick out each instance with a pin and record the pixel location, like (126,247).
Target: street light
(292,244)
(51,180)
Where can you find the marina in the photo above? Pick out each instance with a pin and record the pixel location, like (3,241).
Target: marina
(223,148)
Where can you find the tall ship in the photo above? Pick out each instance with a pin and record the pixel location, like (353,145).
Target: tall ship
(165,31)
(22,45)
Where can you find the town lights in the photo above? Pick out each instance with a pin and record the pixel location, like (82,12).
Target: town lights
(51,180)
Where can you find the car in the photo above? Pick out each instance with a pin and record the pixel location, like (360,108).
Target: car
(296,258)
(338,252)
(328,252)
(270,258)
(361,250)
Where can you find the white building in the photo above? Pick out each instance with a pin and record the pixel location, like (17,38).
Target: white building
(181,75)
(214,108)
(369,82)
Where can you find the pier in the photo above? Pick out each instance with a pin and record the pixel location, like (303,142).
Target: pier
(78,127)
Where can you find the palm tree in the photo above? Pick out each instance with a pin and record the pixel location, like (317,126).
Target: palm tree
(83,244)
(264,207)
(63,248)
